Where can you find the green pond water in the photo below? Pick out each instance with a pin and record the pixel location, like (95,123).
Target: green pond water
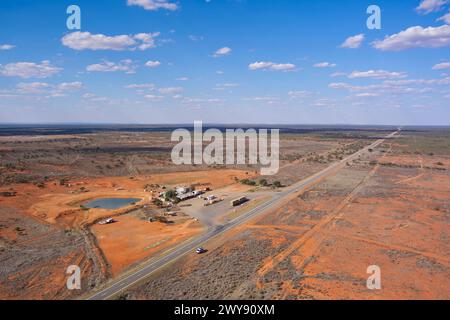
(110,203)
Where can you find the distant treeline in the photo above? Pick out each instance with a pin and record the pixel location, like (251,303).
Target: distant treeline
(66,129)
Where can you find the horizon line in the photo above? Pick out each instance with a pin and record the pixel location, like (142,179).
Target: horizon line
(211,123)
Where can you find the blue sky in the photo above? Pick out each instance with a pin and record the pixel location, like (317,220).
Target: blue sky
(225,61)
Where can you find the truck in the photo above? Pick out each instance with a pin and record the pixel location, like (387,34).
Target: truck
(238,201)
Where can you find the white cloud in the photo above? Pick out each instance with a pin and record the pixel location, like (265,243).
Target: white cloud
(324,103)
(271,66)
(147,39)
(445,18)
(152,64)
(6,46)
(171,90)
(223,86)
(29,70)
(197,103)
(366,95)
(283,67)
(149,86)
(443,81)
(91,97)
(393,87)
(61,90)
(442,66)
(227,85)
(338,74)
(182,79)
(415,37)
(265,99)
(153,5)
(324,65)
(153,97)
(299,94)
(107,66)
(353,42)
(145,89)
(260,65)
(340,85)
(377,74)
(222,52)
(428,6)
(69,86)
(33,87)
(94,98)
(87,41)
(52,90)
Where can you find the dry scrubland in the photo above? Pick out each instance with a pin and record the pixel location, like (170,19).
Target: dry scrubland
(45,178)
(390,209)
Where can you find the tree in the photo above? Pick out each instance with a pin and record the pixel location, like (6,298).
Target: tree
(170,195)
(157,202)
(248,182)
(277,184)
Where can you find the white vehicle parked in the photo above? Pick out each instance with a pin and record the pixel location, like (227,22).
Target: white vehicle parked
(107,221)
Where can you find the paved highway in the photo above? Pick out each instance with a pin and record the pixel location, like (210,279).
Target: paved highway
(116,287)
